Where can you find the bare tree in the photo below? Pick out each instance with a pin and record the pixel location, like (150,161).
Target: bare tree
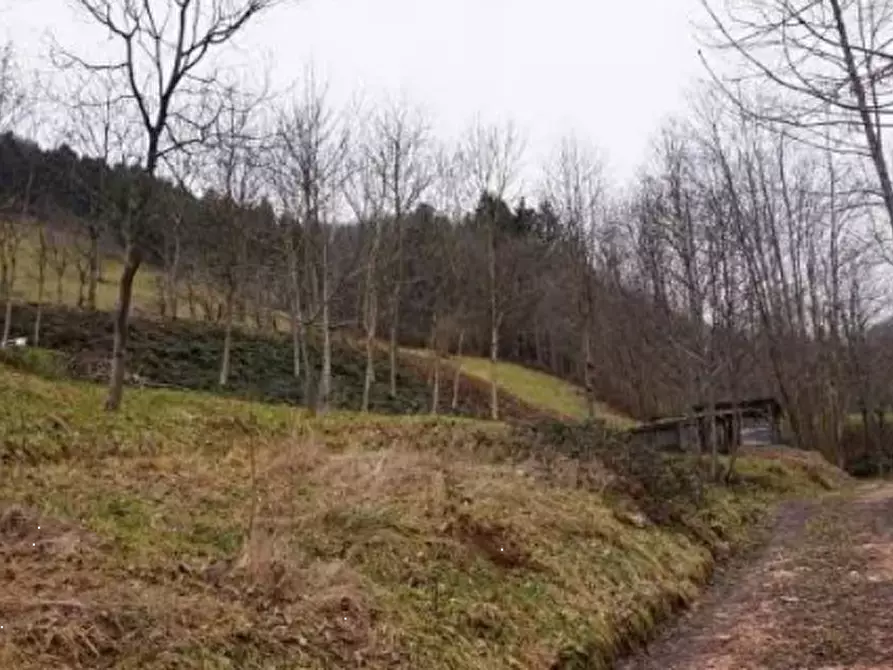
(99,126)
(235,148)
(829,64)
(312,169)
(574,184)
(449,317)
(492,157)
(366,191)
(400,156)
(163,46)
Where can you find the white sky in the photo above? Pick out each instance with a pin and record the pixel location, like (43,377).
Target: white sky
(608,70)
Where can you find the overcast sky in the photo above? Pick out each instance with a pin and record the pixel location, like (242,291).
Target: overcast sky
(608,70)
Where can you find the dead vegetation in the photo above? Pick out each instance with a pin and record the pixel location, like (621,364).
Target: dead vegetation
(254,537)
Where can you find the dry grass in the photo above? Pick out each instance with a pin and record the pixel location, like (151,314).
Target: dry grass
(196,532)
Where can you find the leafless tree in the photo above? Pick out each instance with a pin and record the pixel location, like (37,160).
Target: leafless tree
(235,153)
(492,157)
(400,155)
(366,191)
(574,183)
(312,170)
(98,124)
(163,46)
(827,66)
(450,313)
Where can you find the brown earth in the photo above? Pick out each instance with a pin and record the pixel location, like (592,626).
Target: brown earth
(819,596)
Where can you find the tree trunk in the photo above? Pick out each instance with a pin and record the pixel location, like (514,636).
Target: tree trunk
(457,374)
(494,326)
(82,284)
(734,445)
(435,351)
(94,271)
(119,344)
(297,326)
(190,298)
(38,317)
(553,354)
(325,378)
(172,279)
(371,318)
(7,318)
(392,348)
(494,372)
(587,368)
(41,286)
(9,278)
(227,339)
(538,344)
(712,442)
(296,329)
(161,297)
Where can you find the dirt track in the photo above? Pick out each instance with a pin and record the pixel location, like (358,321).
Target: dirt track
(820,596)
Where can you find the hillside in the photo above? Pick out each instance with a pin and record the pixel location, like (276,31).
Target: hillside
(193,531)
(186,353)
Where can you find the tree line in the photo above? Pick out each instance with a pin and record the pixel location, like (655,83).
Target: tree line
(743,259)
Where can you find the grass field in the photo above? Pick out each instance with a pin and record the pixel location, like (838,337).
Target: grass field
(194,531)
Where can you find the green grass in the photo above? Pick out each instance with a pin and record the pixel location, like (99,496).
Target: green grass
(196,531)
(543,390)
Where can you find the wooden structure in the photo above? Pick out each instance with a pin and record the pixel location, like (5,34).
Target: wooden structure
(755,422)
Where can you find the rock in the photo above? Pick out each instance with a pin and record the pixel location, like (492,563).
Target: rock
(636,519)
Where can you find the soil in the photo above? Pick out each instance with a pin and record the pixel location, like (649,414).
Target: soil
(819,596)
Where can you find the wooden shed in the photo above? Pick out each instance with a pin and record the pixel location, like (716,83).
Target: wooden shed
(755,421)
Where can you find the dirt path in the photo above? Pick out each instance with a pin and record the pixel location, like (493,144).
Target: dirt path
(820,596)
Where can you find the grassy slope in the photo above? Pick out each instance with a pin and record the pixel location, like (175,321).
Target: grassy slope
(186,354)
(543,390)
(193,531)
